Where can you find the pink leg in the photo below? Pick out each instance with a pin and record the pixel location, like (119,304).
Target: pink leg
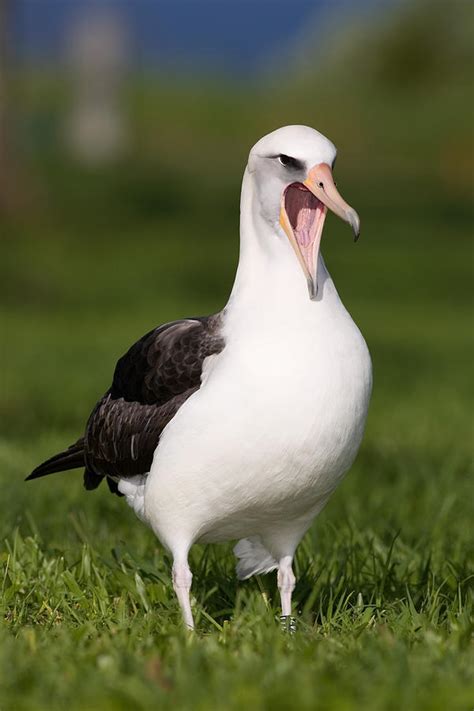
(286,584)
(182,579)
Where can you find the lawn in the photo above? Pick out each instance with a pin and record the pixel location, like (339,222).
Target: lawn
(384,597)
(384,593)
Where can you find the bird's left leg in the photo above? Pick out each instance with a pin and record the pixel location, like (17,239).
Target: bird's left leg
(286,584)
(182,579)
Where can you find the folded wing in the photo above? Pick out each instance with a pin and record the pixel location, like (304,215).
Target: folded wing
(151,382)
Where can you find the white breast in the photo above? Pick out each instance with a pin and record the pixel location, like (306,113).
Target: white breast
(276,423)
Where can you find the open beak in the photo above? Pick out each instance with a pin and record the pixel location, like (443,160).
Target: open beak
(302,214)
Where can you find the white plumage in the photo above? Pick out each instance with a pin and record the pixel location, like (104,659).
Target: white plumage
(256,452)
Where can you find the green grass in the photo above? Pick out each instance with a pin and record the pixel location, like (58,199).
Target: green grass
(384,593)
(385,576)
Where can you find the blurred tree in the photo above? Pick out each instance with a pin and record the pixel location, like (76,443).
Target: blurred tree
(12,193)
(4,189)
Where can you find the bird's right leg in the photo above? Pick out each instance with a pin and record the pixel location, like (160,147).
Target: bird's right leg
(286,584)
(182,579)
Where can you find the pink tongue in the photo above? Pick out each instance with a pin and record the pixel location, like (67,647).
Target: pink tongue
(305,220)
(304,211)
(306,215)
(307,230)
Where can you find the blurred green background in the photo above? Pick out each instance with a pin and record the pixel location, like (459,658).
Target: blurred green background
(98,250)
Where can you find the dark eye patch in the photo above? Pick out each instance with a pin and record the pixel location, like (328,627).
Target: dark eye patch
(289,162)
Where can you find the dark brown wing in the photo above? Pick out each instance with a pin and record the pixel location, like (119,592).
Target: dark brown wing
(151,382)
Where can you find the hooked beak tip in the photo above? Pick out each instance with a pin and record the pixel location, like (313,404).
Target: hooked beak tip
(354,221)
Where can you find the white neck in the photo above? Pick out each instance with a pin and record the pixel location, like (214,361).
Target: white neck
(269,283)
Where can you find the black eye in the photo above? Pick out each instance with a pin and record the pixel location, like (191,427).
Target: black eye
(289,162)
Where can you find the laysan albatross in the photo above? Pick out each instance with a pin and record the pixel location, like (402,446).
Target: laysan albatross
(240,425)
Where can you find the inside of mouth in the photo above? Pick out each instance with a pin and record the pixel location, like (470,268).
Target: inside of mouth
(305,213)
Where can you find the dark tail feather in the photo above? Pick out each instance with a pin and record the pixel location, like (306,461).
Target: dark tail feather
(71,458)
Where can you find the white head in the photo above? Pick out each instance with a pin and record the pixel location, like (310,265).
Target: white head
(291,172)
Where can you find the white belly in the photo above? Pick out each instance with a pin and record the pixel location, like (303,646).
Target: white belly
(266,439)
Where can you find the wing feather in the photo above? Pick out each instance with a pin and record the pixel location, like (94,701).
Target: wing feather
(151,382)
